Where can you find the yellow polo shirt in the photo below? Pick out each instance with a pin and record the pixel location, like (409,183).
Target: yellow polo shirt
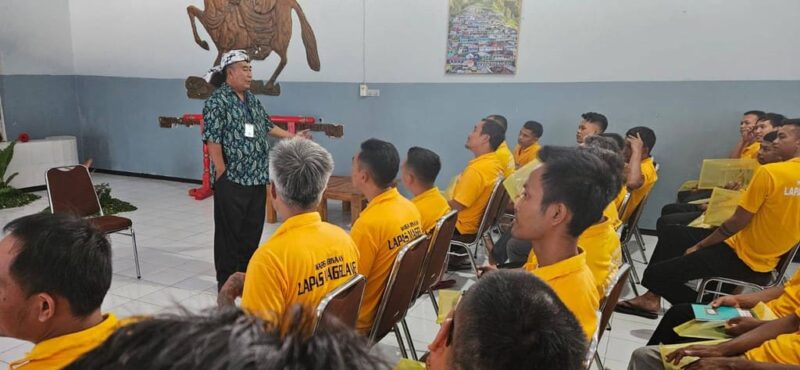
(785,349)
(620,197)
(473,189)
(526,155)
(773,196)
(650,178)
(431,206)
(506,158)
(603,254)
(789,300)
(303,261)
(58,352)
(612,215)
(574,284)
(751,151)
(388,223)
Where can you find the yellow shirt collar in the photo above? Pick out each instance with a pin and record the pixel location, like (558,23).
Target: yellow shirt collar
(520,150)
(561,268)
(387,195)
(483,157)
(52,346)
(598,229)
(426,194)
(298,221)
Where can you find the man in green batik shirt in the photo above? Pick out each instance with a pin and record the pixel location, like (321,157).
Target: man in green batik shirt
(236,129)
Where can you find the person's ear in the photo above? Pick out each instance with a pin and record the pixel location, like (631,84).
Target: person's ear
(273,193)
(558,214)
(45,306)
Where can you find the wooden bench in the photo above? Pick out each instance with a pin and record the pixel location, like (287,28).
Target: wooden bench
(339,188)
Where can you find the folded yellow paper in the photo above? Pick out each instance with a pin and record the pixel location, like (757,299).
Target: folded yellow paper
(447,300)
(666,349)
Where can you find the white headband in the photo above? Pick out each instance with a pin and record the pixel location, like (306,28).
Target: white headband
(228,58)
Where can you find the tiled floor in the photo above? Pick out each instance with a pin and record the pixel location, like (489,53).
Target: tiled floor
(175,238)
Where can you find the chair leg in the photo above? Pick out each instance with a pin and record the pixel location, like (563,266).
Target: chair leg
(640,242)
(400,342)
(408,338)
(135,254)
(472,262)
(433,301)
(633,287)
(626,255)
(597,361)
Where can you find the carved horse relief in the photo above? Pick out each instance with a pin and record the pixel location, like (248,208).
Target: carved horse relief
(257,26)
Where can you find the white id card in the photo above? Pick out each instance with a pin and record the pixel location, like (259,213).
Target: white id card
(249,130)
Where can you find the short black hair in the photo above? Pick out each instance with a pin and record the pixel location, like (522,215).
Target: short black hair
(230,339)
(424,163)
(757,113)
(597,119)
(792,122)
(534,127)
(381,161)
(775,119)
(537,328)
(616,137)
(646,133)
(770,136)
(63,255)
(496,132)
(580,181)
(500,119)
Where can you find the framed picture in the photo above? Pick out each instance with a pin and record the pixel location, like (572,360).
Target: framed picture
(482,36)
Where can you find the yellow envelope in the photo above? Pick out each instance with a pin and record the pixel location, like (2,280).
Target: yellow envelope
(406,364)
(702,329)
(762,312)
(666,349)
(447,300)
(514,183)
(689,185)
(721,172)
(722,205)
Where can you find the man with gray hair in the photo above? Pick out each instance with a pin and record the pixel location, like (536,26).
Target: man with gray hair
(305,258)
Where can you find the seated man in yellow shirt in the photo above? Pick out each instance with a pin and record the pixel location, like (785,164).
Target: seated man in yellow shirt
(746,246)
(528,143)
(504,154)
(475,184)
(769,123)
(305,258)
(419,173)
(55,271)
(592,123)
(773,345)
(641,170)
(509,320)
(389,222)
(232,339)
(747,146)
(553,211)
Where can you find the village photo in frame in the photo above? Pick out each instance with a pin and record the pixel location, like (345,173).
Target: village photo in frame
(483,36)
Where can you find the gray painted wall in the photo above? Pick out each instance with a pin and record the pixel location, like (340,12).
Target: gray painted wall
(40,105)
(693,120)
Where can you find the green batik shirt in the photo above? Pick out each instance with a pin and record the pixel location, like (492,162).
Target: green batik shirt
(228,121)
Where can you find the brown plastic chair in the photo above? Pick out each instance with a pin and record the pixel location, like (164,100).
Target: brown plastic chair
(342,303)
(776,279)
(70,190)
(400,288)
(607,305)
(495,209)
(434,265)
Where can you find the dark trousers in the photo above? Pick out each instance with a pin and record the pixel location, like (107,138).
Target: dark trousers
(690,195)
(676,315)
(668,278)
(239,212)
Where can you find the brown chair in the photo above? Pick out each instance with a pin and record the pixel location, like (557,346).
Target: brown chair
(342,303)
(495,208)
(70,190)
(607,305)
(399,292)
(631,231)
(777,278)
(434,265)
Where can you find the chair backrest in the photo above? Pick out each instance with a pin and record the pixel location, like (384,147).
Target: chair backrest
(633,220)
(624,205)
(435,261)
(785,262)
(400,288)
(70,190)
(342,303)
(495,208)
(612,297)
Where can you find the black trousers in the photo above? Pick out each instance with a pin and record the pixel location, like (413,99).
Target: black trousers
(239,212)
(668,278)
(675,316)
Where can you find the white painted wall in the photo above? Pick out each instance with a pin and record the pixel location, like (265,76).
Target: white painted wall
(561,41)
(35,37)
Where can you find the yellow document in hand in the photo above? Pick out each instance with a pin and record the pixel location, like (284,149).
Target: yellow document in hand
(726,172)
(666,349)
(406,364)
(447,300)
(514,183)
(722,205)
(716,329)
